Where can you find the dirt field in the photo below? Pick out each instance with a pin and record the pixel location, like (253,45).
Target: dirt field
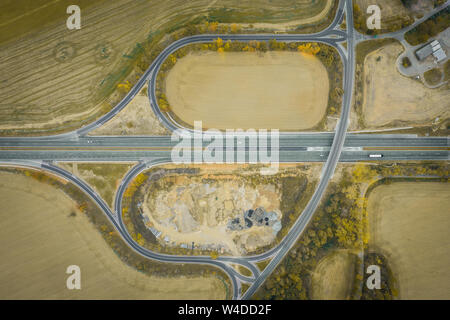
(137,118)
(195,211)
(409,223)
(392,99)
(280,90)
(104,178)
(55,79)
(40,240)
(333,276)
(200,207)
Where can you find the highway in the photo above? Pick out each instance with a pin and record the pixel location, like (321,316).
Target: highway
(292,148)
(286,140)
(285,156)
(150,151)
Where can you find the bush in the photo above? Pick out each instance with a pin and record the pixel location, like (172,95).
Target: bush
(406,62)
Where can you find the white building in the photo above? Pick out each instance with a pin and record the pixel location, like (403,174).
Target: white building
(433,48)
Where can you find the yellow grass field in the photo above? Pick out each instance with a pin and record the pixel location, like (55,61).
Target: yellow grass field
(104,178)
(274,90)
(40,240)
(333,276)
(137,118)
(54,79)
(409,223)
(391,98)
(309,18)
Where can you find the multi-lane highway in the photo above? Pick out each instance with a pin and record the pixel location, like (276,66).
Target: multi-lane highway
(292,148)
(330,148)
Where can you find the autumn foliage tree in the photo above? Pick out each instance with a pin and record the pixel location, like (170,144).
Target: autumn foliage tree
(309,48)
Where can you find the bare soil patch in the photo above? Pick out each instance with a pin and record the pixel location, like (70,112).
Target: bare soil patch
(104,178)
(281,90)
(137,118)
(333,276)
(226,209)
(409,222)
(391,99)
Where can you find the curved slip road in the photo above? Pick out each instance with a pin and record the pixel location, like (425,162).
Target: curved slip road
(334,153)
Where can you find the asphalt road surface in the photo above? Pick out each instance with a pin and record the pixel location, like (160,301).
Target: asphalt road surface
(330,148)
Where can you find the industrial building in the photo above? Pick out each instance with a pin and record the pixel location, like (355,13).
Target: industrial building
(433,48)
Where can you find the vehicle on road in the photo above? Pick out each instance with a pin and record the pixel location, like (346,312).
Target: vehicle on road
(377,155)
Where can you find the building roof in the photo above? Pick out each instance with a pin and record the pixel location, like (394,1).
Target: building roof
(439,55)
(434,42)
(424,52)
(436,47)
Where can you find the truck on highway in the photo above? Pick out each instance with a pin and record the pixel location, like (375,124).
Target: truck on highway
(376,155)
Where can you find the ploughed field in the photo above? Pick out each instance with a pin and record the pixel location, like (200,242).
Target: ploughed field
(409,223)
(273,90)
(43,232)
(54,79)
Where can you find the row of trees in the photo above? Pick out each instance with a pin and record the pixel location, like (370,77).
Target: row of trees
(429,28)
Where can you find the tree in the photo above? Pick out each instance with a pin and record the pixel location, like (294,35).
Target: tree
(235,28)
(218,42)
(124,87)
(309,48)
(213,26)
(362,173)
